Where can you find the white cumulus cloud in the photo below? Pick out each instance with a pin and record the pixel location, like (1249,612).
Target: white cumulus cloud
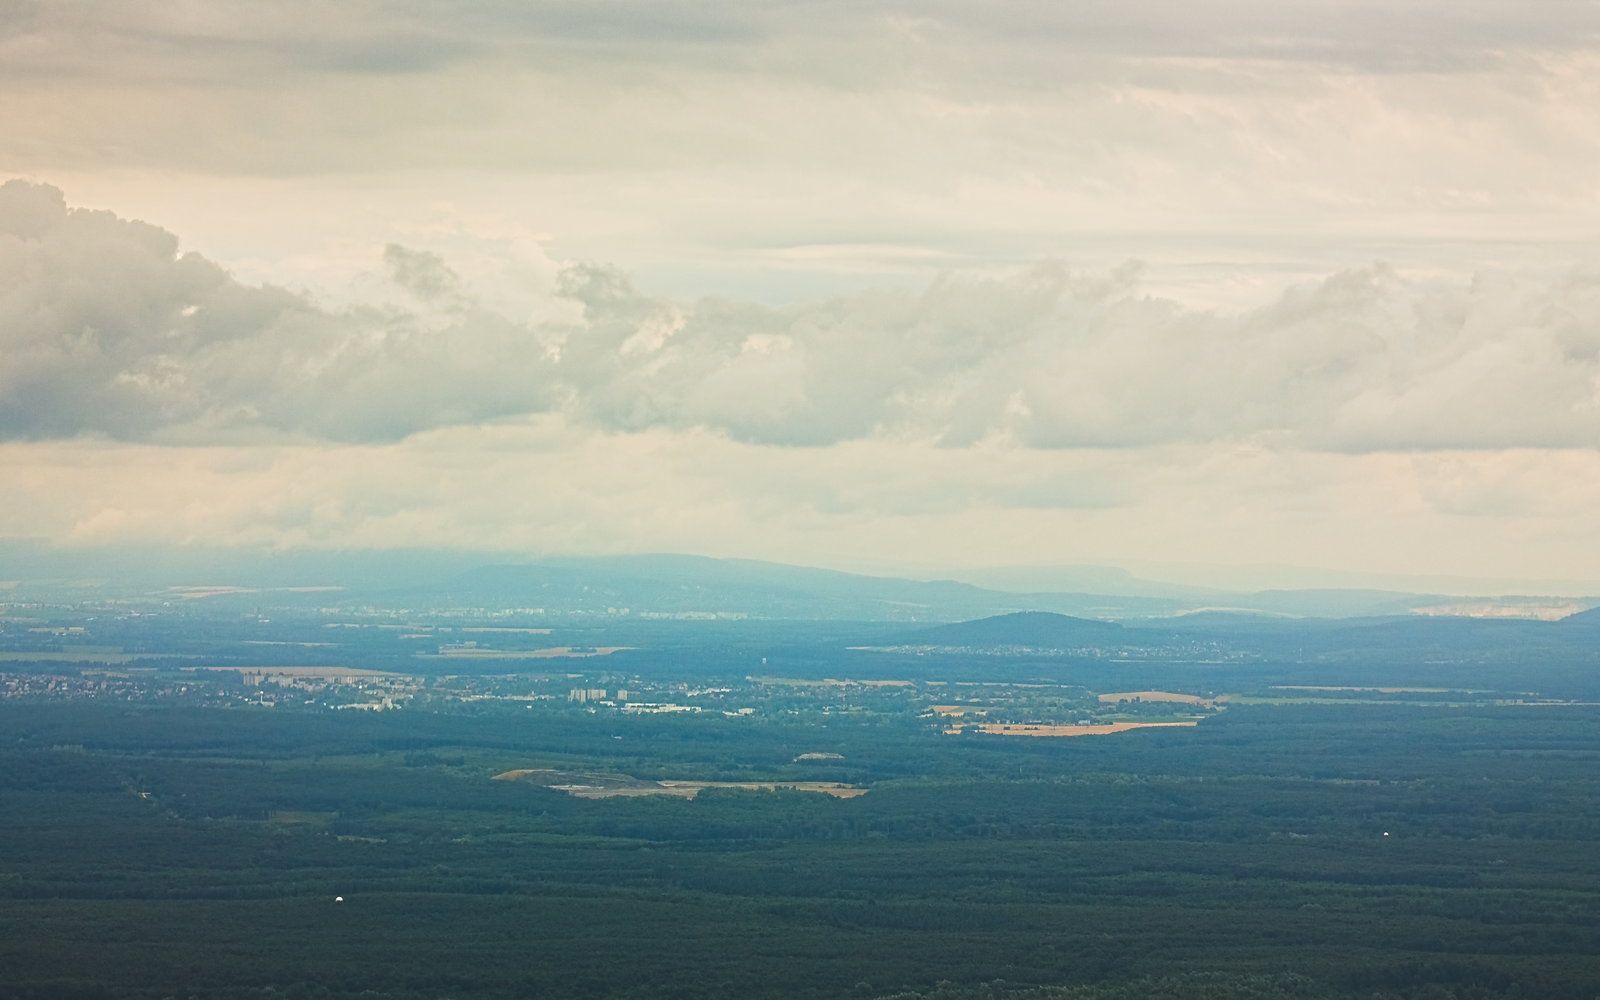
(106,328)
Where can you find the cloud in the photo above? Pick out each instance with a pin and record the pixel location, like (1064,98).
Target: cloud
(1365,360)
(421,273)
(1436,35)
(107,329)
(773,149)
(405,36)
(293,88)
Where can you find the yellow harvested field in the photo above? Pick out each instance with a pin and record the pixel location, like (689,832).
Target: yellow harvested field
(957,710)
(522,654)
(193,593)
(1182,699)
(1020,729)
(73,656)
(1309,687)
(190,593)
(824,682)
(596,792)
(616,786)
(303,671)
(836,789)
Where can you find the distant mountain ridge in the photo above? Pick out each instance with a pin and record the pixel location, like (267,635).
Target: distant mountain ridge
(679,584)
(1108,580)
(1443,642)
(667,585)
(682,585)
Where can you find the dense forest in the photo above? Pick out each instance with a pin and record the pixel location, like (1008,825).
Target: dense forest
(1311,850)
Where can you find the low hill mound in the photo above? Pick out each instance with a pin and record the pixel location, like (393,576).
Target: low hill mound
(1032,629)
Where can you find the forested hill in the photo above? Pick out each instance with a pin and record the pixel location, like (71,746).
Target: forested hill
(1035,629)
(243,581)
(687,584)
(1585,620)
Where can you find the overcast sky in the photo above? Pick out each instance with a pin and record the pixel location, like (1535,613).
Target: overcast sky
(861,284)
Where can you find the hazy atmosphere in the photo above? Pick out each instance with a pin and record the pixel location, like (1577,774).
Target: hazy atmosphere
(799,500)
(861,285)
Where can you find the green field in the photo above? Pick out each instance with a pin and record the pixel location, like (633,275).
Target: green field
(87,655)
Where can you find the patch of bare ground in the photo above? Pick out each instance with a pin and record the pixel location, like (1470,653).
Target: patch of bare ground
(73,656)
(549,653)
(301,817)
(1380,690)
(1025,729)
(329,673)
(1182,699)
(608,786)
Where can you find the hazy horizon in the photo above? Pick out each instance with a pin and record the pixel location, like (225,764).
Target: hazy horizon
(24,560)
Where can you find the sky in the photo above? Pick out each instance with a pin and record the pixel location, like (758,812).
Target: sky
(870,285)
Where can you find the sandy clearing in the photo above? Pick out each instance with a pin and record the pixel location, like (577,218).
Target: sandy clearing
(22,656)
(522,654)
(1182,699)
(1379,690)
(623,786)
(301,671)
(1021,729)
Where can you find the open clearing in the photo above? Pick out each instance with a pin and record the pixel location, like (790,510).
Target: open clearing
(608,786)
(1182,699)
(1311,699)
(522,654)
(497,628)
(825,682)
(78,656)
(690,789)
(325,672)
(301,817)
(1023,729)
(1379,690)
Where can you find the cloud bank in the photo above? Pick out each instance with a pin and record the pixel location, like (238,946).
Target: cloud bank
(400,37)
(107,329)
